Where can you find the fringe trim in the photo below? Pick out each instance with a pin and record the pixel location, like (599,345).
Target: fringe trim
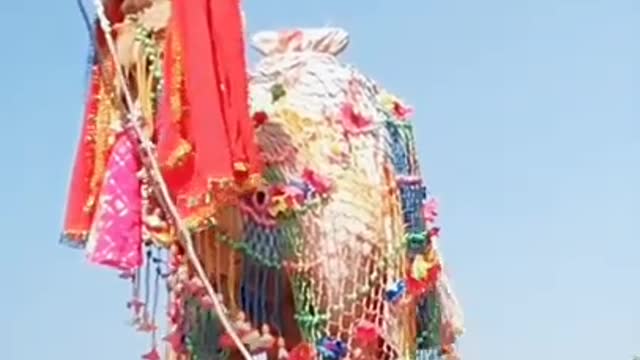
(74,240)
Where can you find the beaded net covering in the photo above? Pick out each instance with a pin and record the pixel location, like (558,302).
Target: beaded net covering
(345,212)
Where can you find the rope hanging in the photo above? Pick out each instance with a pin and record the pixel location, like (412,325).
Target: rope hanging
(160,187)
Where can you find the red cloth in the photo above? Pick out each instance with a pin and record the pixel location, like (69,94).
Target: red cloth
(205,138)
(78,217)
(86,176)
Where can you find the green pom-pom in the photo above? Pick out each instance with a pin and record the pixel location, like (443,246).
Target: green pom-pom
(416,241)
(277,92)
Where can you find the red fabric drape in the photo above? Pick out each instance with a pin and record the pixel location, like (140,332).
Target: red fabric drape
(205,137)
(85,179)
(78,218)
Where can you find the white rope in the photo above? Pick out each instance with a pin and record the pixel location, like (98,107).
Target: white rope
(161,186)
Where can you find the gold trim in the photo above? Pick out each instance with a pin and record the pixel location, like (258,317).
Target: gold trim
(177,73)
(178,155)
(106,112)
(222,192)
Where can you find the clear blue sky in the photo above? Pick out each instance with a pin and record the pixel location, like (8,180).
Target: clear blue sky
(528,121)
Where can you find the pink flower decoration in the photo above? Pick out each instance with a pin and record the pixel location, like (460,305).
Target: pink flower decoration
(430,211)
(319,183)
(353,121)
(365,333)
(206,302)
(175,312)
(434,233)
(175,341)
(152,355)
(401,111)
(297,197)
(195,285)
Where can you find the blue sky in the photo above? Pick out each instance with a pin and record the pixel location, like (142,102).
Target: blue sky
(528,123)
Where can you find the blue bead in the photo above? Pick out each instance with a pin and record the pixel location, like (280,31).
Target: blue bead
(395,292)
(330,349)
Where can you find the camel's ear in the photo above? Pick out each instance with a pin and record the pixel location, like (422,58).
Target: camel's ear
(324,40)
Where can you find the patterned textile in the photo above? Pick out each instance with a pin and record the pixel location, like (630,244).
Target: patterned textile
(116,237)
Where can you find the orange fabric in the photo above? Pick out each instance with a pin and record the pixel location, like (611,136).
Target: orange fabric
(91,153)
(205,138)
(78,218)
